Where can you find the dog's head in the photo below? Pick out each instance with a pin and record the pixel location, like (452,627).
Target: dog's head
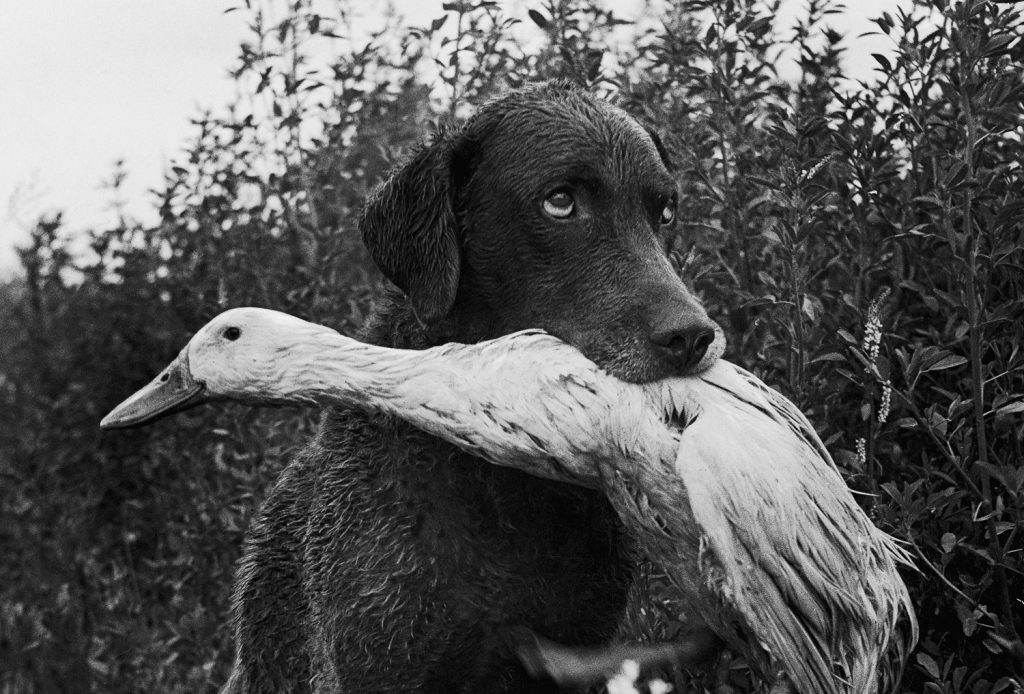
(548,209)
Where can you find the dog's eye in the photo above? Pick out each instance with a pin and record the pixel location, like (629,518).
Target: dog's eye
(232,333)
(560,204)
(668,213)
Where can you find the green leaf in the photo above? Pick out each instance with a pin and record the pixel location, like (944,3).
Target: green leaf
(847,337)
(947,362)
(996,44)
(594,64)
(773,185)
(812,308)
(538,19)
(1012,408)
(929,665)
(759,26)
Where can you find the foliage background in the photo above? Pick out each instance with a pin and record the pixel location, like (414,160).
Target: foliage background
(861,242)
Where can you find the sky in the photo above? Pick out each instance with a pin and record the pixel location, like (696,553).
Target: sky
(85,83)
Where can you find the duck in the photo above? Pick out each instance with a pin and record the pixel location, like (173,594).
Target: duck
(722,482)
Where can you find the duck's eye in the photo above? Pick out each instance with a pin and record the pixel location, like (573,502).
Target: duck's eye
(232,333)
(668,213)
(560,204)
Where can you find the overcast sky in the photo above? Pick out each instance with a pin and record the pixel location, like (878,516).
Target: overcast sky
(84,83)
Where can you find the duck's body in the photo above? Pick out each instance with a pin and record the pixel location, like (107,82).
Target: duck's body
(722,482)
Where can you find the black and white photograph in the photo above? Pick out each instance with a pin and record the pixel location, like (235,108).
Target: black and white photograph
(512,347)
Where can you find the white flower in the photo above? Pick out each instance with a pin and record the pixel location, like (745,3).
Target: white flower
(873,328)
(883,409)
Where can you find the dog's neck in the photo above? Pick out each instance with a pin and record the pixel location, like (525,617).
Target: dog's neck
(392,323)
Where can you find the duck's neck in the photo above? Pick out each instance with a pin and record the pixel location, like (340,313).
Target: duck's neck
(326,368)
(529,402)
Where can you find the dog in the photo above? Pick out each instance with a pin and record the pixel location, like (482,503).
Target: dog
(386,560)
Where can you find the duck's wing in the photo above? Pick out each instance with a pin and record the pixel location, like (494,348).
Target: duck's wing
(787,549)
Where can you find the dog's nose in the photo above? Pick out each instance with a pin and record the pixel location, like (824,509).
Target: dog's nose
(686,346)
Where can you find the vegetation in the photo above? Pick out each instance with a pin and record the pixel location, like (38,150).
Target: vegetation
(860,241)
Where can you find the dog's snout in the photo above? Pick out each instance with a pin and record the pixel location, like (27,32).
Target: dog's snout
(685,345)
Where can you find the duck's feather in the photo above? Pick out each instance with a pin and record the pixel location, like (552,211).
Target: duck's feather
(810,580)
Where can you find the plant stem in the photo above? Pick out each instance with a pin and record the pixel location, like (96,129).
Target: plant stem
(950,458)
(796,278)
(455,62)
(970,257)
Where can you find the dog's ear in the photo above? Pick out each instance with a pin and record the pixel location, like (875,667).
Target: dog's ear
(662,150)
(410,227)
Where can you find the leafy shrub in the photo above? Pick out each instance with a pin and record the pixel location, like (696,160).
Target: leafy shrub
(861,242)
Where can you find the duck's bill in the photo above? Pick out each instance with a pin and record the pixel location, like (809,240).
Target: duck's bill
(172,391)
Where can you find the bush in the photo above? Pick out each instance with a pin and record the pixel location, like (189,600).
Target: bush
(861,242)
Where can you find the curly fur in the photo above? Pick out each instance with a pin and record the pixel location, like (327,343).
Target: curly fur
(387,560)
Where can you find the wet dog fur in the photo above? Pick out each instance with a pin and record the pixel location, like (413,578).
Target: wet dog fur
(387,560)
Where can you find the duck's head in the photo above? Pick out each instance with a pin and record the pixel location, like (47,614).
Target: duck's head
(236,356)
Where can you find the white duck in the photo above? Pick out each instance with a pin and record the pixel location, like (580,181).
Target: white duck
(723,481)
